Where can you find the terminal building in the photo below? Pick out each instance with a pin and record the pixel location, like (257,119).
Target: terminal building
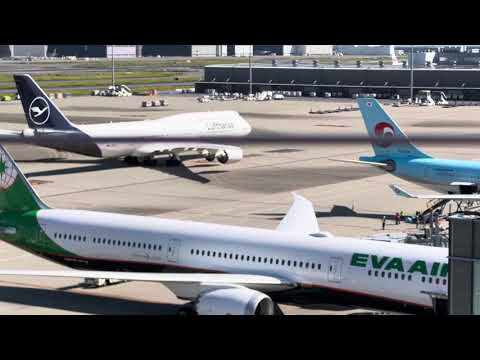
(342,81)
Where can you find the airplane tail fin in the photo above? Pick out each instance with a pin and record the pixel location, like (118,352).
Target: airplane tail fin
(387,139)
(39,110)
(16,193)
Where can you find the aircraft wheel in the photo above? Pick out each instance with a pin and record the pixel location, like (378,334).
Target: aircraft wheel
(210,157)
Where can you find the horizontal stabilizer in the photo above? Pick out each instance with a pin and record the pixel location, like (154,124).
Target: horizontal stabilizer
(300,218)
(401,192)
(382,165)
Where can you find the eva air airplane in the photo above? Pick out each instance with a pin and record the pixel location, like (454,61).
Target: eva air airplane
(221,269)
(394,153)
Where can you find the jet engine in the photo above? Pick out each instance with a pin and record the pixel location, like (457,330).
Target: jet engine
(234,301)
(232,154)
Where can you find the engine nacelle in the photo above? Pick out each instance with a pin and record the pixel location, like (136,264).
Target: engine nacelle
(234,301)
(231,154)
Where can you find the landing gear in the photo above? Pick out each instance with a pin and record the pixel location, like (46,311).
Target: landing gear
(150,161)
(210,157)
(186,310)
(134,160)
(131,160)
(173,160)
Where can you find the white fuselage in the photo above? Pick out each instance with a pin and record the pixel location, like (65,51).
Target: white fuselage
(325,262)
(190,126)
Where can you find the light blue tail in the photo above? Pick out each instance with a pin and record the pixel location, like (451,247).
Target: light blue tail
(387,139)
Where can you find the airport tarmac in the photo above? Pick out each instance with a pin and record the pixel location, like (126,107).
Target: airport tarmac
(350,200)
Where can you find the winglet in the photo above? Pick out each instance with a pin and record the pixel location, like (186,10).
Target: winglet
(403,193)
(300,218)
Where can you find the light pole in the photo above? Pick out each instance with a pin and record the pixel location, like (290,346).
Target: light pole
(113,67)
(250,70)
(411,75)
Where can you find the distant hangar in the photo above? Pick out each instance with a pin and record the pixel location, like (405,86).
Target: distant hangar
(385,81)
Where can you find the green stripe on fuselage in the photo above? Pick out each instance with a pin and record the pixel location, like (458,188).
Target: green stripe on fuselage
(28,234)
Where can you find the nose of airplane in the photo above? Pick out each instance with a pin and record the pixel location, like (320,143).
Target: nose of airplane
(246,127)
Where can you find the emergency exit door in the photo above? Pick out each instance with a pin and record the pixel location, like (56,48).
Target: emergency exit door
(173,250)
(335,269)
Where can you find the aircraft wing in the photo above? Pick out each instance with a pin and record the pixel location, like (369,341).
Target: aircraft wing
(184,285)
(401,192)
(378,164)
(300,218)
(179,147)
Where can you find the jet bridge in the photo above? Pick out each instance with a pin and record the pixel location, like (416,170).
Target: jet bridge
(464,265)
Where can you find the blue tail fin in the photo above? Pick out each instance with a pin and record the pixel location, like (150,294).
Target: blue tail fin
(39,110)
(387,139)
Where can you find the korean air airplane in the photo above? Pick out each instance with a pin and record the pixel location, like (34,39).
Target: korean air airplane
(222,269)
(394,153)
(49,127)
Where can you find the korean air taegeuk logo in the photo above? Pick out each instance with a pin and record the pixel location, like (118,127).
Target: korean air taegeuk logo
(384,134)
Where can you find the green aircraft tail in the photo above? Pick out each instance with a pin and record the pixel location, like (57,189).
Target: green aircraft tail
(16,193)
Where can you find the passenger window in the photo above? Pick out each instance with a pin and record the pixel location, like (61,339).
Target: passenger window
(294,263)
(396,276)
(150,247)
(113,242)
(213,254)
(203,252)
(265,260)
(208,253)
(423,278)
(231,256)
(300,264)
(253,258)
(313,266)
(84,238)
(306,265)
(248,257)
(191,252)
(389,275)
(225,256)
(271,260)
(124,243)
(403,276)
(139,245)
(383,274)
(369,272)
(242,257)
(236,256)
(444,281)
(128,244)
(144,246)
(409,277)
(70,237)
(259,259)
(376,273)
(437,281)
(283,262)
(288,262)
(430,280)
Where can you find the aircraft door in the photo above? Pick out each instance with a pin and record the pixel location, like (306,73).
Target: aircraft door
(173,250)
(335,269)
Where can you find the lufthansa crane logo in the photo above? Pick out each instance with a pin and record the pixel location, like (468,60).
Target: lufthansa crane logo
(384,134)
(39,111)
